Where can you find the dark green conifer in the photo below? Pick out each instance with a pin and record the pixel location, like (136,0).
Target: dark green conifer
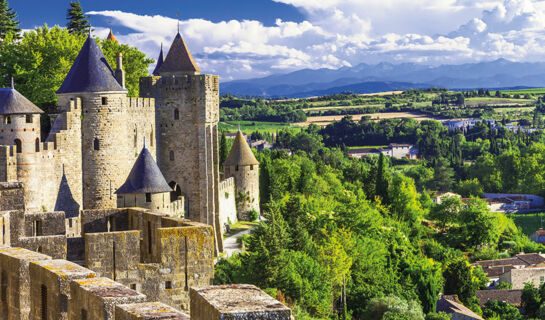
(223,149)
(78,22)
(8,21)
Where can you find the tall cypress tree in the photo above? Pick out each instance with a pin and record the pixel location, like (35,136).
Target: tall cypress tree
(78,22)
(381,183)
(223,149)
(8,21)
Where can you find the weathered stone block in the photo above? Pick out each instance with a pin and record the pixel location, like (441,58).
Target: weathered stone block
(148,311)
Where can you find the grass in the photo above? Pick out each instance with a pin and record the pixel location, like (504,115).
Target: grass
(251,126)
(496,101)
(528,222)
(350,148)
(524,91)
(240,226)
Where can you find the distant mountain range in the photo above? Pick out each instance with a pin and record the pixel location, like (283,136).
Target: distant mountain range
(365,78)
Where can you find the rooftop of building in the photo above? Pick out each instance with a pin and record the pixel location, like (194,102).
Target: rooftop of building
(65,269)
(160,61)
(240,153)
(512,297)
(153,311)
(495,268)
(178,59)
(106,288)
(13,102)
(111,36)
(364,150)
(451,304)
(145,176)
(90,72)
(235,298)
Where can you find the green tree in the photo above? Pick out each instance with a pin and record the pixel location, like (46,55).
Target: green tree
(458,280)
(8,21)
(223,150)
(478,225)
(446,212)
(501,311)
(381,181)
(438,316)
(530,299)
(395,306)
(78,22)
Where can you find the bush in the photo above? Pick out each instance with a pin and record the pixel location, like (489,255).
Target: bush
(438,316)
(253,215)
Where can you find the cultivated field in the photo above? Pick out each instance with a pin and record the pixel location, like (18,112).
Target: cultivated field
(325,120)
(529,223)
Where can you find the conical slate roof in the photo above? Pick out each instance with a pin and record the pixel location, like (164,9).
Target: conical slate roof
(179,59)
(145,177)
(12,102)
(90,72)
(159,61)
(240,153)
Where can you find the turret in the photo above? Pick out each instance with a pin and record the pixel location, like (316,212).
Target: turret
(244,167)
(20,128)
(105,153)
(111,36)
(179,60)
(145,186)
(160,61)
(119,72)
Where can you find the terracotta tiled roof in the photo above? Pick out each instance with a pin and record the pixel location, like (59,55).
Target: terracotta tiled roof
(179,59)
(511,297)
(111,36)
(240,153)
(451,305)
(500,266)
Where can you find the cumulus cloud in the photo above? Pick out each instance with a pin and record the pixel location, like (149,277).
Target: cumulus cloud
(339,33)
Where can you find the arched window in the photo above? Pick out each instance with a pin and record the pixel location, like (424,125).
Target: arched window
(18,146)
(37,144)
(97,144)
(176,114)
(28,118)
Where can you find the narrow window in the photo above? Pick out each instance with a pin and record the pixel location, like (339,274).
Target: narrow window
(135,137)
(148,197)
(133,286)
(83,314)
(97,144)
(37,144)
(28,118)
(151,138)
(104,101)
(70,223)
(18,146)
(176,114)
(251,167)
(40,249)
(168,285)
(171,155)
(37,228)
(236,167)
(7,119)
(149,237)
(4,286)
(44,302)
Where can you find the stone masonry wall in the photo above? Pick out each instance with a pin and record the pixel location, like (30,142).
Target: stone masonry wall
(11,196)
(227,207)
(8,164)
(247,188)
(187,116)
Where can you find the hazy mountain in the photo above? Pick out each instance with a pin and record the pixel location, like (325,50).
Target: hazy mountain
(365,78)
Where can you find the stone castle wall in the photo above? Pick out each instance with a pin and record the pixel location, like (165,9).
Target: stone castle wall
(228,207)
(8,164)
(247,188)
(187,116)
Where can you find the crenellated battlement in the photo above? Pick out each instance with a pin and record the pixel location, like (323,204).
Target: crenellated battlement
(178,83)
(140,104)
(226,184)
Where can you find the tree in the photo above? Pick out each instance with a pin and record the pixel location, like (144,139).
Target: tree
(530,299)
(381,186)
(447,211)
(394,308)
(438,316)
(8,21)
(501,311)
(78,22)
(458,280)
(223,150)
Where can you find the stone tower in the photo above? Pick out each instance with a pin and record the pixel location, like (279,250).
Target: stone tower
(20,127)
(145,186)
(106,157)
(244,167)
(187,115)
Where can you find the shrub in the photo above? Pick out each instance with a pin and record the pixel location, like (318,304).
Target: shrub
(253,215)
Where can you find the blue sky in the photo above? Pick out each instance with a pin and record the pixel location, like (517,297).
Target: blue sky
(253,38)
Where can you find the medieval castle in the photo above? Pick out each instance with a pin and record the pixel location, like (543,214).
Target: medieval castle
(120,212)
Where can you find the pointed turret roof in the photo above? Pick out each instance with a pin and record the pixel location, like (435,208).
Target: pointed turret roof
(179,59)
(12,102)
(159,61)
(90,72)
(111,36)
(145,176)
(240,153)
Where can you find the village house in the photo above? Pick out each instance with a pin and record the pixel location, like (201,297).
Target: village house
(394,150)
(516,270)
(450,304)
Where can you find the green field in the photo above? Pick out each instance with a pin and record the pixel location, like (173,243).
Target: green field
(523,91)
(529,222)
(251,126)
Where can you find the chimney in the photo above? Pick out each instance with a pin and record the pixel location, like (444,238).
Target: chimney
(119,73)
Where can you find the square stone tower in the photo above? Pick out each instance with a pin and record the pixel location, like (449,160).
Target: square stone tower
(187,115)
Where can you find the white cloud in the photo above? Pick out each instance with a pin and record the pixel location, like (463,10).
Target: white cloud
(339,33)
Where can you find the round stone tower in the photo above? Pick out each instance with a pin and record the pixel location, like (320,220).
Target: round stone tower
(244,167)
(20,127)
(145,186)
(105,153)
